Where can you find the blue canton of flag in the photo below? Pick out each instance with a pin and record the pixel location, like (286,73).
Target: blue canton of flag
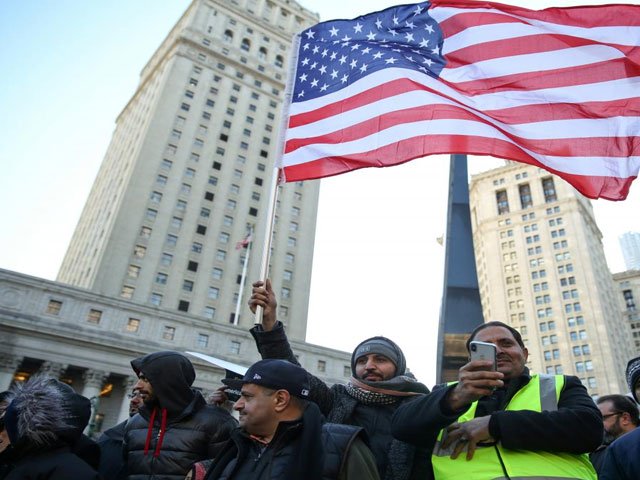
(335,54)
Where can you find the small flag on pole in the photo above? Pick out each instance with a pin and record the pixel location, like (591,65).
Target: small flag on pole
(558,88)
(244,243)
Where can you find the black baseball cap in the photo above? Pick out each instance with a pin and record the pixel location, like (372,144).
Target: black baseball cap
(276,374)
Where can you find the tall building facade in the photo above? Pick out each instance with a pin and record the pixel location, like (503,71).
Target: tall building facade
(542,269)
(628,284)
(188,173)
(630,245)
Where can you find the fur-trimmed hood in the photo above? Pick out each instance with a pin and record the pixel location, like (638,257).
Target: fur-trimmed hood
(45,412)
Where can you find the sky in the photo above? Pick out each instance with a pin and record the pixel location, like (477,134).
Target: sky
(69,67)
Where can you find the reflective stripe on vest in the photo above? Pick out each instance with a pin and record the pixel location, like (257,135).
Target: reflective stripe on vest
(540,394)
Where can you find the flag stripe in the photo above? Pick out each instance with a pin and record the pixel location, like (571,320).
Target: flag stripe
(558,88)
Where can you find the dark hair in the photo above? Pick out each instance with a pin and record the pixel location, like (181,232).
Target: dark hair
(495,323)
(622,404)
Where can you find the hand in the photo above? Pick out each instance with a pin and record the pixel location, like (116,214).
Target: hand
(265,298)
(468,435)
(475,380)
(219,397)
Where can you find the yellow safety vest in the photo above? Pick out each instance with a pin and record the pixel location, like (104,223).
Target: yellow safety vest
(540,394)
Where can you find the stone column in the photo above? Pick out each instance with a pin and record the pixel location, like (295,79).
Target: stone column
(127,385)
(8,366)
(53,369)
(93,382)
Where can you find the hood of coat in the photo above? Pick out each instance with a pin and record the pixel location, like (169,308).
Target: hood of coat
(45,412)
(171,375)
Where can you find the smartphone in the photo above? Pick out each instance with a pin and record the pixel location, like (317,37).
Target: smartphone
(483,351)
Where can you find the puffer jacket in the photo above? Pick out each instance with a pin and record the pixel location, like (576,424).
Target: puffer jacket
(44,421)
(164,439)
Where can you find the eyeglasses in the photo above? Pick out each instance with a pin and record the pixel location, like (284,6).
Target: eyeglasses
(604,417)
(134,395)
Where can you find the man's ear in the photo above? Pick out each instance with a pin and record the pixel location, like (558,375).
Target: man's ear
(281,399)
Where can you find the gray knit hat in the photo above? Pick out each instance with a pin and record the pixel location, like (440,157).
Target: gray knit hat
(381,346)
(633,375)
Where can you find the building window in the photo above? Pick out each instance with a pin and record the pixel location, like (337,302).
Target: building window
(155,299)
(287,275)
(209,312)
(223,237)
(216,273)
(181,205)
(196,247)
(502,202)
(172,240)
(133,271)
(94,316)
(187,285)
(285,293)
(133,325)
(203,340)
(205,212)
(127,291)
(151,214)
(322,366)
(161,278)
(166,259)
(221,255)
(183,306)
(549,189)
(192,266)
(169,333)
(176,222)
(201,230)
(234,347)
(53,307)
(213,293)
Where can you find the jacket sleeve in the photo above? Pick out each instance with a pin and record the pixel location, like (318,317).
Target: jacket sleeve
(225,426)
(611,467)
(576,427)
(275,344)
(360,463)
(419,421)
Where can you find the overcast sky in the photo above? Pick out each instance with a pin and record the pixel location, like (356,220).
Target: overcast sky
(69,67)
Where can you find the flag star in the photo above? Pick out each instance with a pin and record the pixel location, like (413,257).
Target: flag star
(323,69)
(355,47)
(371,36)
(346,38)
(393,32)
(313,65)
(397,50)
(366,50)
(334,74)
(429,28)
(354,64)
(428,61)
(416,51)
(305,62)
(424,43)
(395,20)
(334,31)
(422,69)
(346,44)
(410,25)
(409,37)
(335,42)
(377,55)
(436,50)
(343,59)
(324,87)
(379,24)
(301,94)
(303,77)
(325,52)
(314,83)
(333,56)
(306,46)
(408,57)
(390,61)
(316,49)
(417,11)
(363,68)
(357,28)
(344,78)
(310,34)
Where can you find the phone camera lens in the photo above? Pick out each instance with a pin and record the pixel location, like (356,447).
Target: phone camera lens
(474,348)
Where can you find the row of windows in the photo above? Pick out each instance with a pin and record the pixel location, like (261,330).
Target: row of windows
(524,191)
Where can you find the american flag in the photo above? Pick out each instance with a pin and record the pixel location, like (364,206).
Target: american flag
(558,88)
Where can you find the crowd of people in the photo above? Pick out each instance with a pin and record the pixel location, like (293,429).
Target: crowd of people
(498,421)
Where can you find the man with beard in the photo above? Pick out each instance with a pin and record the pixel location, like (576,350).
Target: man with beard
(379,385)
(619,416)
(174,427)
(110,442)
(504,423)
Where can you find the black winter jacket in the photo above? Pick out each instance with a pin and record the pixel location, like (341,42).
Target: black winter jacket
(395,460)
(164,440)
(111,461)
(576,427)
(57,464)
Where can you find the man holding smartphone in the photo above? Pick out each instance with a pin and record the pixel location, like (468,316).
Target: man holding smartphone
(502,421)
